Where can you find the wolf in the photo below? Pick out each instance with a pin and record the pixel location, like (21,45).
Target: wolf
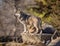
(29,21)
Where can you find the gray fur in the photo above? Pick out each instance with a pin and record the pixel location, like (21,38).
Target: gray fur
(32,20)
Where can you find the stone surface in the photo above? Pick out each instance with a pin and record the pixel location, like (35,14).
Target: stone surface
(30,39)
(8,24)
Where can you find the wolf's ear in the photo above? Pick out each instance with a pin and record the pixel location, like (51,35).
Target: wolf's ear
(14,10)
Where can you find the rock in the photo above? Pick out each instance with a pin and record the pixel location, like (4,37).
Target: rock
(8,24)
(21,44)
(47,28)
(30,39)
(48,33)
(55,42)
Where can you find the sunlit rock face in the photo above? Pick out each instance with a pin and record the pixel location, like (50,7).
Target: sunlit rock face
(30,39)
(8,22)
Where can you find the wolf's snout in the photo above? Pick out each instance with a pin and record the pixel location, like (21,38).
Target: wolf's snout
(17,15)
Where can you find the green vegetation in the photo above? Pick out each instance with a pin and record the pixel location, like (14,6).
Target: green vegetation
(48,10)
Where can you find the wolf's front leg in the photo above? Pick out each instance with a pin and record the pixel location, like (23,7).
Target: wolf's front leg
(24,28)
(22,24)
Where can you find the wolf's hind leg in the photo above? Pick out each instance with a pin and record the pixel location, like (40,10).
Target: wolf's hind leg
(36,28)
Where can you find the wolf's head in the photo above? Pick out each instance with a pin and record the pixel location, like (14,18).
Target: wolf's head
(17,13)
